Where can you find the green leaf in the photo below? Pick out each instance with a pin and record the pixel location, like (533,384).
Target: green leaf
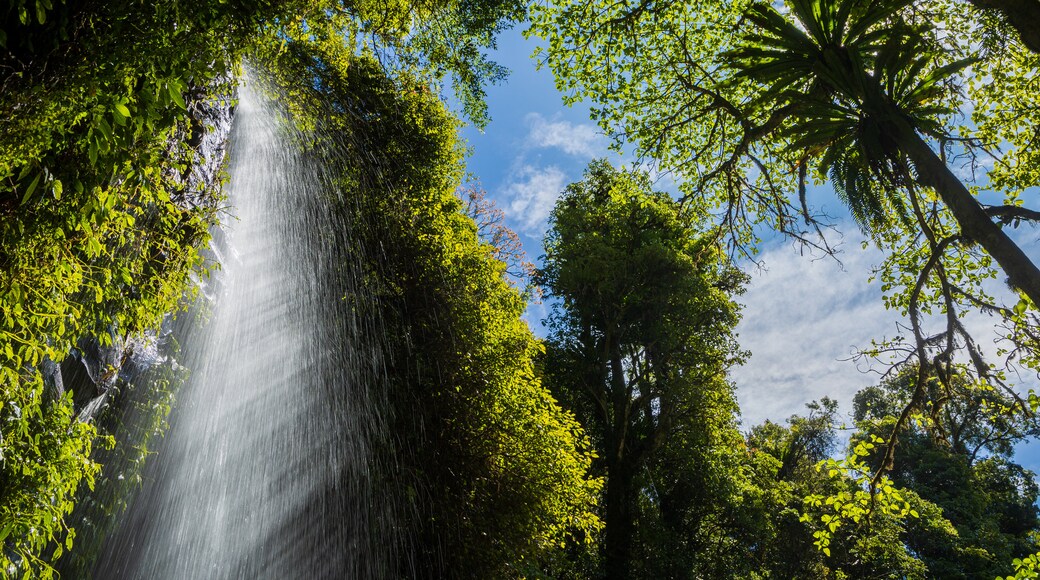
(106,131)
(1021,307)
(32,187)
(122,110)
(175,94)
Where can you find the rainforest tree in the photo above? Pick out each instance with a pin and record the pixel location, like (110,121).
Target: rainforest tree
(641,337)
(961,459)
(788,462)
(973,507)
(750,103)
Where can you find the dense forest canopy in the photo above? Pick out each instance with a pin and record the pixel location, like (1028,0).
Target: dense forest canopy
(611,448)
(751,103)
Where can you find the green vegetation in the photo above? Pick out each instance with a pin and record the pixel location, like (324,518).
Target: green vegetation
(99,230)
(959,458)
(611,449)
(641,339)
(103,227)
(498,472)
(134,421)
(751,103)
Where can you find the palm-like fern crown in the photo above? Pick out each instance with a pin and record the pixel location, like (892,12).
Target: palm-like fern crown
(830,62)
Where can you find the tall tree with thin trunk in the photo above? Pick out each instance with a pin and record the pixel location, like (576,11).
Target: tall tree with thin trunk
(642,335)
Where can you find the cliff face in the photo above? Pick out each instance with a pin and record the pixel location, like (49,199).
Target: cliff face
(94,367)
(126,386)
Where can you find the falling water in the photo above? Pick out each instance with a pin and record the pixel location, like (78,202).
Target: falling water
(269,468)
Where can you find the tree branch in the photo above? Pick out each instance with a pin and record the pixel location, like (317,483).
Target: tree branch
(1006,214)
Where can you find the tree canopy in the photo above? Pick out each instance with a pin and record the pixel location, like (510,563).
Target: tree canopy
(961,459)
(920,114)
(641,339)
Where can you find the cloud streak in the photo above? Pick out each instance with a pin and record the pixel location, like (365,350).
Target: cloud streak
(531,194)
(578,139)
(803,320)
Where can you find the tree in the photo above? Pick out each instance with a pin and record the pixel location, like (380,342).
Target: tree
(749,104)
(641,339)
(935,542)
(852,86)
(505,243)
(959,457)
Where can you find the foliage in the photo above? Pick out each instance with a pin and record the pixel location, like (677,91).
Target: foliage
(102,218)
(641,339)
(818,503)
(865,498)
(100,227)
(846,88)
(959,457)
(135,418)
(751,103)
(946,510)
(1028,567)
(50,450)
(494,471)
(953,505)
(505,243)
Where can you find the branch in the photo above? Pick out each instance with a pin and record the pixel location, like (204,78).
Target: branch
(1006,214)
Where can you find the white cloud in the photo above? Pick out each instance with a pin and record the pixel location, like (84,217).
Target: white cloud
(582,140)
(530,196)
(803,320)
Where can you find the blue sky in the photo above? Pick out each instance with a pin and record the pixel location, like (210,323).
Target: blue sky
(803,316)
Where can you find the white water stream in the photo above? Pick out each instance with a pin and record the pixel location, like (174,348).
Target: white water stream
(267,468)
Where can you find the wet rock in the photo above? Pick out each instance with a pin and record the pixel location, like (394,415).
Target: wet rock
(90,370)
(54,386)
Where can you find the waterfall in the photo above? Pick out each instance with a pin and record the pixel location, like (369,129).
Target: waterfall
(271,465)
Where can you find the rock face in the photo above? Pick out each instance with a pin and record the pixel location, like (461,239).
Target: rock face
(89,372)
(92,369)
(126,387)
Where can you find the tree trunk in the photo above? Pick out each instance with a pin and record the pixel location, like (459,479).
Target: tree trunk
(976,226)
(619,521)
